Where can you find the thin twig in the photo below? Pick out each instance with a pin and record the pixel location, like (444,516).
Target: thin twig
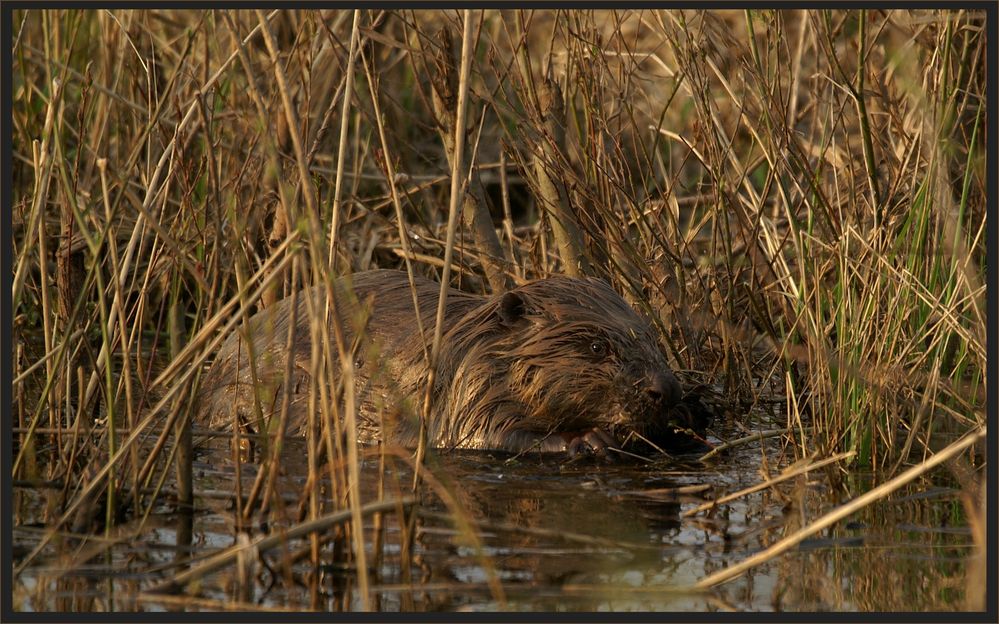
(759,435)
(799,470)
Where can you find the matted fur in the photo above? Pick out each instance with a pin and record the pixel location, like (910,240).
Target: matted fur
(527,369)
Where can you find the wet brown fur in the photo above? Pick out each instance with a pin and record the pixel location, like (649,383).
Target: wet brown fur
(515,370)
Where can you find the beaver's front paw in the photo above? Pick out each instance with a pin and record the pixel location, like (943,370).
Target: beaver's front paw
(596,441)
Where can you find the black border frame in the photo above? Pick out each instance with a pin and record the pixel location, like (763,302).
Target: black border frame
(991,614)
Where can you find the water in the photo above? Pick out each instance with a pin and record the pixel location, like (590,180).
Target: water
(578,537)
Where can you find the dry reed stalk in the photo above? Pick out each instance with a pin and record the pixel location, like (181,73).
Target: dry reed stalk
(406,526)
(53,396)
(43,175)
(475,210)
(390,180)
(126,374)
(342,142)
(457,191)
(544,101)
(279,226)
(975,596)
(512,254)
(263,492)
(753,437)
(464,522)
(332,318)
(263,544)
(47,358)
(843,511)
(792,472)
(569,536)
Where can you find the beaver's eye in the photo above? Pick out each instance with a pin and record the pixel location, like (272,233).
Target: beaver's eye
(598,348)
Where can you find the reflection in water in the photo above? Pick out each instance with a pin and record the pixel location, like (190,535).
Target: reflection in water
(558,537)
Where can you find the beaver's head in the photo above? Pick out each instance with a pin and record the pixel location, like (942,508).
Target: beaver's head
(570,355)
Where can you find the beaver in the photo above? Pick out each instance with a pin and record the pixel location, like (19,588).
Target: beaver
(556,365)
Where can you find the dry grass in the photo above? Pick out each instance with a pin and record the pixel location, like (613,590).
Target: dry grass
(797,198)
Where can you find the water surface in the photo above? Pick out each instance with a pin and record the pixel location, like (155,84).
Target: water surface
(583,536)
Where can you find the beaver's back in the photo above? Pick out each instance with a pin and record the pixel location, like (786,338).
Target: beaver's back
(383,307)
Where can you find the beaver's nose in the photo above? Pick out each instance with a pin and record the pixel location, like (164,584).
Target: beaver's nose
(664,388)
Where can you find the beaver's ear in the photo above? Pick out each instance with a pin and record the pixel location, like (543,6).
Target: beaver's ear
(512,308)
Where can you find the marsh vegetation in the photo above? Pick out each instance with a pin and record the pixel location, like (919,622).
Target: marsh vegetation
(797,199)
